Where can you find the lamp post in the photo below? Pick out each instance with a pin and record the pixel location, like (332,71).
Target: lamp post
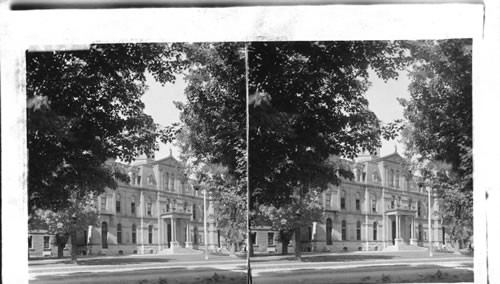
(205,222)
(73,238)
(429,221)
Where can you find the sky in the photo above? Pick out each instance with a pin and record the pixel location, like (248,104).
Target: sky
(381,95)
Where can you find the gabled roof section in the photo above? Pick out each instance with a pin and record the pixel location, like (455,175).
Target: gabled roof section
(170,160)
(394,157)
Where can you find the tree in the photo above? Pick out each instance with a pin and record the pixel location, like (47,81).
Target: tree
(213,139)
(439,129)
(84,107)
(307,105)
(289,218)
(64,224)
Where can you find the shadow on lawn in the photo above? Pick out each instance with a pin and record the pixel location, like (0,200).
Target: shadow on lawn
(109,261)
(330,258)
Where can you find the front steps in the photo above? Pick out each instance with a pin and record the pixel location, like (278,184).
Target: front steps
(405,247)
(179,250)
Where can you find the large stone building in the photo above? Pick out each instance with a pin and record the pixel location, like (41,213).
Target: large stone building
(383,207)
(159,211)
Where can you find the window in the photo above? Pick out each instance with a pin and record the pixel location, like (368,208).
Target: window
(119,233)
(358,202)
(164,182)
(174,204)
(30,242)
(134,234)
(132,206)
(391,178)
(419,209)
(328,231)
(185,207)
(195,234)
(374,205)
(375,231)
(150,180)
(194,211)
(138,180)
(344,230)
(118,206)
(397,180)
(363,177)
(358,230)
(253,238)
(167,180)
(342,200)
(103,203)
(149,206)
(104,234)
(270,239)
(150,234)
(328,199)
(46,242)
(392,202)
(168,205)
(420,229)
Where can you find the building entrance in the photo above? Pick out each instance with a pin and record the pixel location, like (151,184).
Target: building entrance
(393,232)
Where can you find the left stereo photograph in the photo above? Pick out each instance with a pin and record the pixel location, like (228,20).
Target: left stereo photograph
(137,157)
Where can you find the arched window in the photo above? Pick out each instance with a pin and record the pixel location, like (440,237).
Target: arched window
(358,231)
(358,202)
(328,231)
(375,231)
(150,234)
(342,199)
(104,234)
(134,234)
(119,233)
(344,230)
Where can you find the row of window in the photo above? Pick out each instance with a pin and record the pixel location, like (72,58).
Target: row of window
(344,231)
(270,238)
(149,207)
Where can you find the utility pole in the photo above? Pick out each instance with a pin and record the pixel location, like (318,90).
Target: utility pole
(205,222)
(429,220)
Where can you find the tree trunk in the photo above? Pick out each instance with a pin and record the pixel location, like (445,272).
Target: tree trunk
(250,248)
(298,245)
(74,253)
(60,250)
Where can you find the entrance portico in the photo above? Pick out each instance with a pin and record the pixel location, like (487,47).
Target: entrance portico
(175,230)
(399,219)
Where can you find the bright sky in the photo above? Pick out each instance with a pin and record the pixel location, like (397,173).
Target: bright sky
(381,96)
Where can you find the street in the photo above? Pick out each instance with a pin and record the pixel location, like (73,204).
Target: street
(362,267)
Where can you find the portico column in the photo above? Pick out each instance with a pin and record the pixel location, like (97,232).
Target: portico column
(189,244)
(397,226)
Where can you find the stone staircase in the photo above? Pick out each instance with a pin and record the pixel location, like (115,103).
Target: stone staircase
(405,247)
(179,250)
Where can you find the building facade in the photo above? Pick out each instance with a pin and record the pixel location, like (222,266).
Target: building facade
(383,207)
(158,211)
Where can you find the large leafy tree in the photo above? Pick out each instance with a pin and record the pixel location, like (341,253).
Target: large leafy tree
(439,113)
(301,212)
(64,223)
(84,107)
(213,140)
(307,105)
